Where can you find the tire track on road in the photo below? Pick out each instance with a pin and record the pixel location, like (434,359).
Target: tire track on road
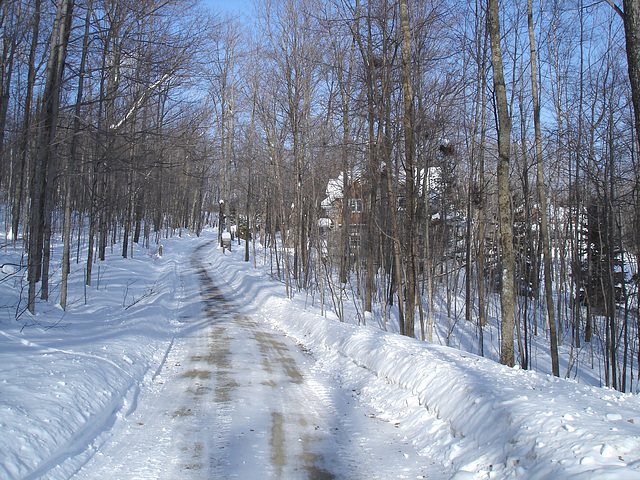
(259,406)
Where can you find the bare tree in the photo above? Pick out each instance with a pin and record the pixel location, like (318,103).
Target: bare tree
(542,196)
(21,166)
(410,184)
(507,298)
(72,154)
(41,190)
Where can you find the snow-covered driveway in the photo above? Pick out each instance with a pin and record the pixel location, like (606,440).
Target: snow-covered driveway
(237,399)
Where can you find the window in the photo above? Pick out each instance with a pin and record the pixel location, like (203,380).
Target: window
(354,240)
(356,205)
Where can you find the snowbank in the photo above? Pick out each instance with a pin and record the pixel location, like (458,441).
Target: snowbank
(504,422)
(64,376)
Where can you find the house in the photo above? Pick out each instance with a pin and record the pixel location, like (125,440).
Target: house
(357,194)
(333,205)
(333,223)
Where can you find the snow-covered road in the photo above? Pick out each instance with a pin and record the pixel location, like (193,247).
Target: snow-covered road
(195,364)
(237,399)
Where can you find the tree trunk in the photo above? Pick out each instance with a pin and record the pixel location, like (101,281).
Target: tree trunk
(43,178)
(407,123)
(542,197)
(631,19)
(482,316)
(10,42)
(66,233)
(72,157)
(505,209)
(26,122)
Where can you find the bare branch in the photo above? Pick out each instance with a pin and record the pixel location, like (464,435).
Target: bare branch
(616,8)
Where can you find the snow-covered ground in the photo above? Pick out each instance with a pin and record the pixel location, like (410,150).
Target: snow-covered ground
(95,391)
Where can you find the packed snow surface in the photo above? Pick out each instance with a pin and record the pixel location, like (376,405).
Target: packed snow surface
(114,387)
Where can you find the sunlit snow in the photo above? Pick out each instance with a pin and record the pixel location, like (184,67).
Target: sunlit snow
(103,390)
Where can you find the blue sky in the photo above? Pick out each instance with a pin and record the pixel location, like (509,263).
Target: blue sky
(233,6)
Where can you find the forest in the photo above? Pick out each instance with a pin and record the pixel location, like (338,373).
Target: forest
(418,162)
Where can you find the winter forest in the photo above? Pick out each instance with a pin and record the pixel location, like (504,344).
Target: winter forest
(468,168)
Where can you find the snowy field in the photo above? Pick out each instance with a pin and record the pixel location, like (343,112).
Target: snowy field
(69,380)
